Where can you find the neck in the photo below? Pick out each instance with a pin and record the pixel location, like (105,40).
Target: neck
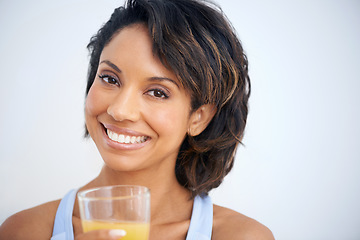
(167,195)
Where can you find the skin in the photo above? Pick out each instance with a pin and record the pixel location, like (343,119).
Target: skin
(139,97)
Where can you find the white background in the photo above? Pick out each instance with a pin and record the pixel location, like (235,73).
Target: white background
(299,172)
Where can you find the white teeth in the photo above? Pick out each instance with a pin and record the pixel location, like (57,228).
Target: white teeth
(121,138)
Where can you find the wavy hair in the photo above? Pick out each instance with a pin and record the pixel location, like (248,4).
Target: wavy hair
(197,42)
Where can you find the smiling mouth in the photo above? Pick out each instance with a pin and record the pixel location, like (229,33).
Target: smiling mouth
(127,139)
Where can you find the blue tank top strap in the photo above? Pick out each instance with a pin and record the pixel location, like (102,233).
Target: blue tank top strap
(200,225)
(63,228)
(201,219)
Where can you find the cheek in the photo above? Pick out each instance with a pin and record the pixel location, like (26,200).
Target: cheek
(170,121)
(93,107)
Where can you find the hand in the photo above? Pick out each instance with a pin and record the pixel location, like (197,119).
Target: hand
(103,234)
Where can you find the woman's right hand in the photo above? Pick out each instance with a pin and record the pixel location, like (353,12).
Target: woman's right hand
(103,234)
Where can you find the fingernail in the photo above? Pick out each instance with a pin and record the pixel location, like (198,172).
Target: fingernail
(117,233)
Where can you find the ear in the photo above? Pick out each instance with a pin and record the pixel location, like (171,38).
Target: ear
(201,118)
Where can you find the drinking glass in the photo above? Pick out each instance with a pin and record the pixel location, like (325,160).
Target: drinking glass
(116,207)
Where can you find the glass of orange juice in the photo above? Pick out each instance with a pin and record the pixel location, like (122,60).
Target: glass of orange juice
(116,207)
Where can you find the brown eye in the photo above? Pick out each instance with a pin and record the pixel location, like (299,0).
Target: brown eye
(158,93)
(109,79)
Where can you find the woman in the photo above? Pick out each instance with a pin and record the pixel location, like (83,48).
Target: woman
(166,106)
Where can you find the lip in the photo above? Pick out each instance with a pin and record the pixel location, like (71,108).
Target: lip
(125,131)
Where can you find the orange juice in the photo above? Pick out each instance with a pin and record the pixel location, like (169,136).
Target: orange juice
(134,230)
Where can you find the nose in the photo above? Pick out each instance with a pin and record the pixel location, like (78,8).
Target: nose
(125,106)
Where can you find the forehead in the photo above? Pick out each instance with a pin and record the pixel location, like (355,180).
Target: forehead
(134,38)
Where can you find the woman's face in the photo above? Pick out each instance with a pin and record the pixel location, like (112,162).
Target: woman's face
(136,111)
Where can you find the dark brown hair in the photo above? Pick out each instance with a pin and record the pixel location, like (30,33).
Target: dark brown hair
(196,41)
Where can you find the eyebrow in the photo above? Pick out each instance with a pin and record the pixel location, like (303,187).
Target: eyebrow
(164,79)
(110,64)
(113,66)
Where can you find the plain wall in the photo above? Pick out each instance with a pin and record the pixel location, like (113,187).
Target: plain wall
(299,171)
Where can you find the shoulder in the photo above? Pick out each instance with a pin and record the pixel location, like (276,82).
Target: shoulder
(232,225)
(38,221)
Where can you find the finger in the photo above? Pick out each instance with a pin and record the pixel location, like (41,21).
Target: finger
(116,233)
(103,234)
